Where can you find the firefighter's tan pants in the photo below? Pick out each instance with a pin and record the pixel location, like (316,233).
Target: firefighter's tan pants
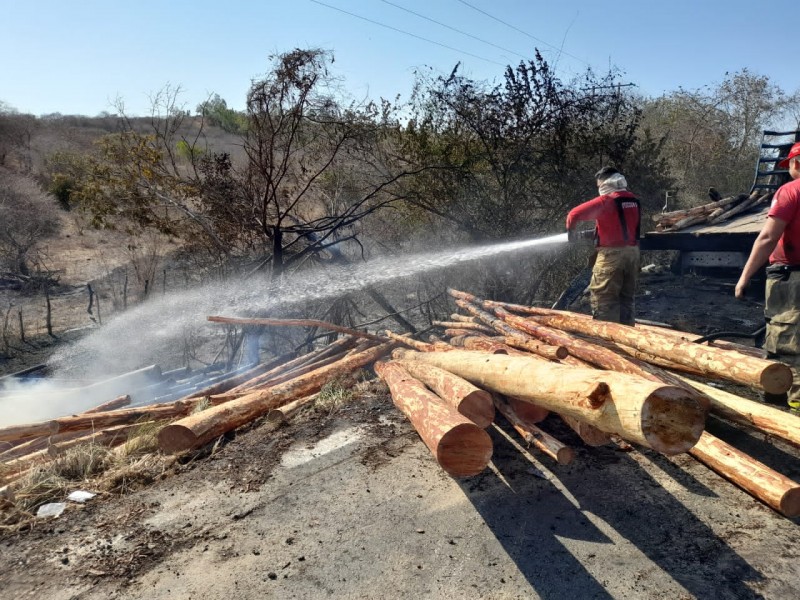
(613,285)
(783,326)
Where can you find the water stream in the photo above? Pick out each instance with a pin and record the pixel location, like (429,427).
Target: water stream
(154,331)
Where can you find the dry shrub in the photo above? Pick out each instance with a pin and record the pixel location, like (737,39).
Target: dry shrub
(142,440)
(333,395)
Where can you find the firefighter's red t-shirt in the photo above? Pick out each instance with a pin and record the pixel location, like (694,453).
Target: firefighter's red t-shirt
(786,207)
(603,209)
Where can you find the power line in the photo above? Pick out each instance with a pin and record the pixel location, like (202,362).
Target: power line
(419,37)
(408,10)
(483,12)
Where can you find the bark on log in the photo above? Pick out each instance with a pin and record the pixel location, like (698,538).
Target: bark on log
(754,414)
(205,426)
(773,489)
(665,418)
(470,401)
(771,376)
(459,445)
(545,442)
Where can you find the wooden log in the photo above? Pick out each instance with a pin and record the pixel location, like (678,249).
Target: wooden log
(464,325)
(459,333)
(297,322)
(472,342)
(541,440)
(108,437)
(590,434)
(759,416)
(668,419)
(677,215)
(526,342)
(117,402)
(462,318)
(95,421)
(461,447)
(773,489)
(771,376)
(200,428)
(235,380)
(416,344)
(753,200)
(539,346)
(688,222)
(283,413)
(470,401)
(334,348)
(586,351)
(532,413)
(692,337)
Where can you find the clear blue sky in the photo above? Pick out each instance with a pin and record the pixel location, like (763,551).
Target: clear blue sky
(76,57)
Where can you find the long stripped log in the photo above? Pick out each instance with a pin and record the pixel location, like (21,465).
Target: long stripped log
(754,414)
(459,445)
(416,344)
(665,418)
(200,428)
(544,348)
(772,376)
(757,479)
(472,402)
(545,442)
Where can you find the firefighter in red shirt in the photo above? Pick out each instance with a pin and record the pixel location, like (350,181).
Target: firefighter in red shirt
(617,214)
(779,242)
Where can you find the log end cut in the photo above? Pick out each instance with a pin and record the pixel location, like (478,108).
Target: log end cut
(173,439)
(790,503)
(527,411)
(465,450)
(672,420)
(776,378)
(478,408)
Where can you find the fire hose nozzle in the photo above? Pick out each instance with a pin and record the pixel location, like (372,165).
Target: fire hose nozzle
(574,236)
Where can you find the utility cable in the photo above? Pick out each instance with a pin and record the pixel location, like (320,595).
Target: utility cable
(483,12)
(419,37)
(445,25)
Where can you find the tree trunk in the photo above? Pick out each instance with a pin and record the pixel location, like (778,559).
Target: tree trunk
(667,419)
(460,447)
(470,401)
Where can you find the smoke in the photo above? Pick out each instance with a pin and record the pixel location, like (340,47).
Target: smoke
(155,331)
